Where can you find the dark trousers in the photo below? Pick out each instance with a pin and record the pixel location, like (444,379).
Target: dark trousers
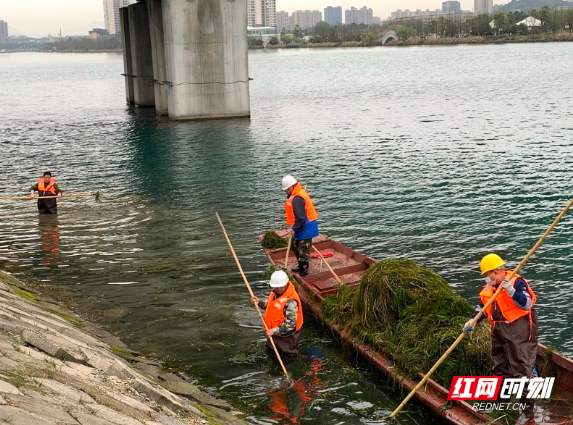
(287,345)
(47,206)
(302,249)
(514,351)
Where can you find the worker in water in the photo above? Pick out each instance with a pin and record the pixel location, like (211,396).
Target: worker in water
(301,217)
(514,326)
(46,187)
(283,315)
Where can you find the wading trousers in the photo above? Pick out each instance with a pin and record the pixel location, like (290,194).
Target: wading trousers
(287,345)
(514,350)
(47,206)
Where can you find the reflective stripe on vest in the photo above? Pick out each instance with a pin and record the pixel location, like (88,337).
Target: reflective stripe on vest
(311,213)
(275,315)
(50,188)
(508,309)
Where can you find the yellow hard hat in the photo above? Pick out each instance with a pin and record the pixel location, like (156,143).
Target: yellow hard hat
(490,262)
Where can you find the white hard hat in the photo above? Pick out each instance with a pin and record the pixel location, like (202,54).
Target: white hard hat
(278,279)
(288,181)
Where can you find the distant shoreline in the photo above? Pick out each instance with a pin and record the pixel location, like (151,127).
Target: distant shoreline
(416,41)
(83,51)
(62,51)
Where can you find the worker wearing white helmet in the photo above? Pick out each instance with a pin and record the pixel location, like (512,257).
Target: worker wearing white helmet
(283,315)
(301,217)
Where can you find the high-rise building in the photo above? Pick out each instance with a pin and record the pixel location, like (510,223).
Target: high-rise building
(261,13)
(449,7)
(401,14)
(254,13)
(363,15)
(483,7)
(269,13)
(282,21)
(333,15)
(306,18)
(111,14)
(3,31)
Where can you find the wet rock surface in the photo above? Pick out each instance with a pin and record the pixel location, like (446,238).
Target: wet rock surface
(56,369)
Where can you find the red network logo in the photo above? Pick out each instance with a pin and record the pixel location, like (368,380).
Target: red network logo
(489,387)
(475,388)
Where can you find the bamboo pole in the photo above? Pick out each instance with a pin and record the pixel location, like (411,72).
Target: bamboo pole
(490,302)
(288,252)
(328,265)
(251,293)
(76,195)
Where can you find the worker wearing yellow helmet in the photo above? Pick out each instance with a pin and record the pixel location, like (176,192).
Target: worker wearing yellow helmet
(514,325)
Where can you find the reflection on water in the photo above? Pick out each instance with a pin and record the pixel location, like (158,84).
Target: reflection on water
(409,153)
(288,405)
(50,237)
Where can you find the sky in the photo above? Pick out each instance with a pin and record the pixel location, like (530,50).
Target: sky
(381,8)
(38,18)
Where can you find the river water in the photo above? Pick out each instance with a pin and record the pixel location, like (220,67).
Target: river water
(440,155)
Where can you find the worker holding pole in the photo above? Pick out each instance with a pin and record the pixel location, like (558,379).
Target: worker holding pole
(514,325)
(301,217)
(486,308)
(46,187)
(283,315)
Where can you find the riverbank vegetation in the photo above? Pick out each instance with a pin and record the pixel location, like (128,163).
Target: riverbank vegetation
(70,44)
(502,27)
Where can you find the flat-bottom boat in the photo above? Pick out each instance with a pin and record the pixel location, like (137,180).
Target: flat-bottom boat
(349,266)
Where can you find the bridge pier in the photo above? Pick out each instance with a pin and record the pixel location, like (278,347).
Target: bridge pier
(158,55)
(206,58)
(141,55)
(127,65)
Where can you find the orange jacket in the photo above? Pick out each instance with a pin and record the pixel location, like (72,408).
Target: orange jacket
(49,188)
(509,310)
(311,213)
(275,315)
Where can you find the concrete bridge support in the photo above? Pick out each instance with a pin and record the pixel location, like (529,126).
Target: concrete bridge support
(127,65)
(158,55)
(206,58)
(141,56)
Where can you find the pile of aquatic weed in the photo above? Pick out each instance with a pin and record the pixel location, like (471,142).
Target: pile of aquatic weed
(411,315)
(273,241)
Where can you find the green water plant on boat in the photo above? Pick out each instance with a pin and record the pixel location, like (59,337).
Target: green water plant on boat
(273,241)
(411,315)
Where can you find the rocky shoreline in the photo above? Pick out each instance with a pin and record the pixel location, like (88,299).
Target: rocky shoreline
(57,369)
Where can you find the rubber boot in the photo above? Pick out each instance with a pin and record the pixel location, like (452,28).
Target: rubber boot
(527,415)
(303,268)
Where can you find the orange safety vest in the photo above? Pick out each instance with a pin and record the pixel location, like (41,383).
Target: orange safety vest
(50,188)
(275,315)
(509,310)
(311,213)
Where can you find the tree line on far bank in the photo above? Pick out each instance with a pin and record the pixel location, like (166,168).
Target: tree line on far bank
(83,44)
(553,21)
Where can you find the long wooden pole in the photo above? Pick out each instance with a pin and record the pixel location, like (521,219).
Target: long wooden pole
(490,302)
(251,293)
(288,252)
(77,195)
(328,265)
